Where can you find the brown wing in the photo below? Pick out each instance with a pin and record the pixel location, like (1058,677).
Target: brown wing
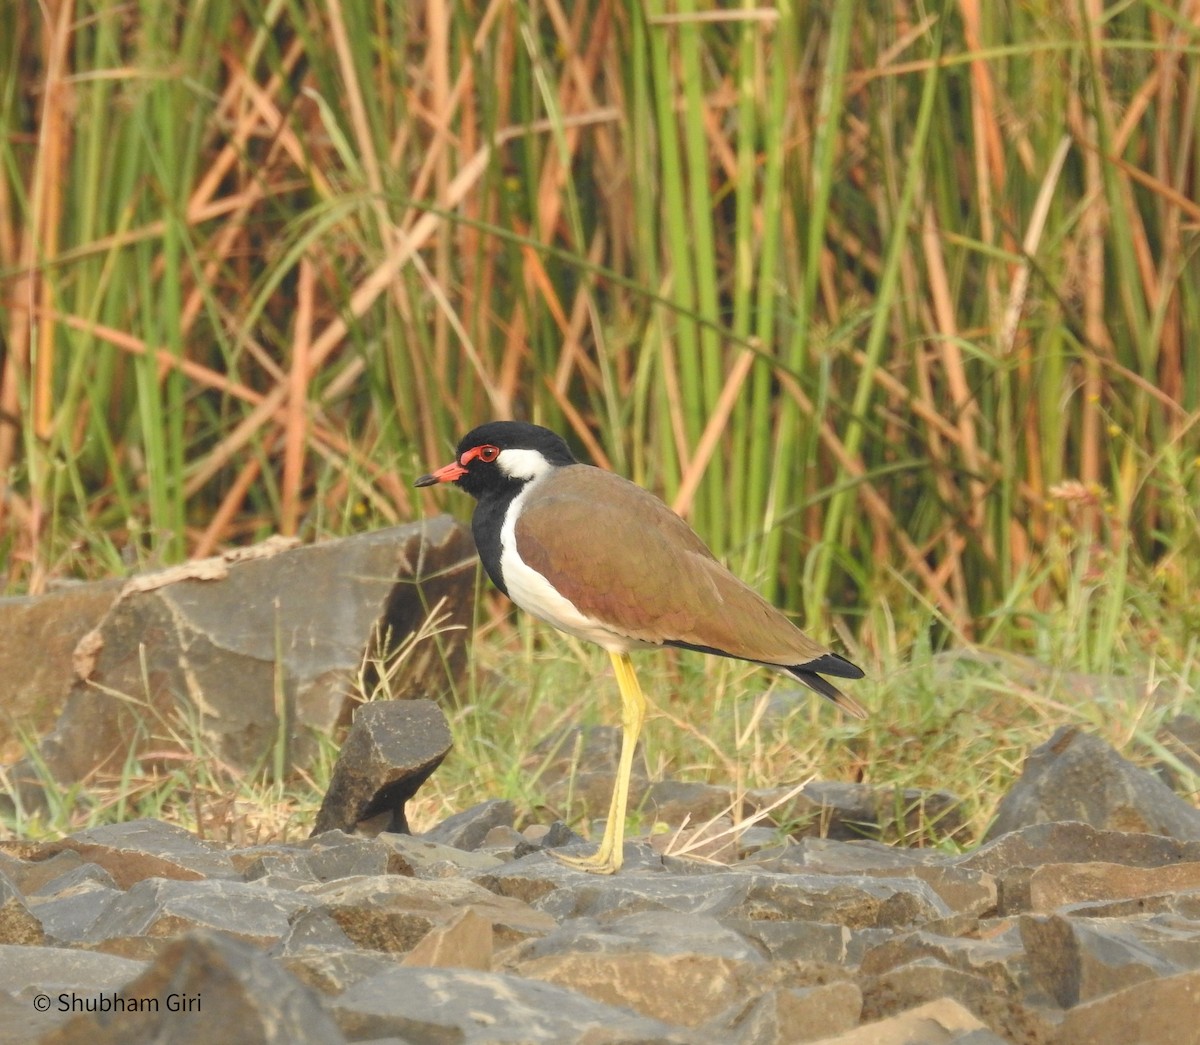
(624,558)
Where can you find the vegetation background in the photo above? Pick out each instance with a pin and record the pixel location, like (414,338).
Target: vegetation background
(891,300)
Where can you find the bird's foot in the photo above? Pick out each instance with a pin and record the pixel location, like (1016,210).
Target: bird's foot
(600,862)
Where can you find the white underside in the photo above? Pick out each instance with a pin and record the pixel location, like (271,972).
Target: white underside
(534,594)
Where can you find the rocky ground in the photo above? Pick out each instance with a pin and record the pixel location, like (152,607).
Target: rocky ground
(1077,921)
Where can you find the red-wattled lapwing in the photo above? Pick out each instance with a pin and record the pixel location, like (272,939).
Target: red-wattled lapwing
(607,561)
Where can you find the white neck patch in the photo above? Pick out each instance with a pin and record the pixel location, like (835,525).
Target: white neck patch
(523,464)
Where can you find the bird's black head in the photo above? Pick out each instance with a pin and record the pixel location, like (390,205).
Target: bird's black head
(501,455)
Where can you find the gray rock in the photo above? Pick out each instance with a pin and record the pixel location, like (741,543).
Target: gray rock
(788,1015)
(391,913)
(468,829)
(940,1022)
(924,981)
(57,973)
(1076,959)
(1159,1011)
(1075,776)
(428,859)
(157,909)
(1055,885)
(18,924)
(69,905)
(472,1008)
(846,811)
(220,987)
(231,628)
(139,849)
(854,901)
(964,890)
(36,672)
(391,750)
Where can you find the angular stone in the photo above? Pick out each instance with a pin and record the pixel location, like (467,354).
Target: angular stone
(472,1008)
(28,971)
(808,941)
(681,989)
(40,635)
(138,849)
(1054,885)
(998,958)
(666,933)
(219,986)
(157,908)
(852,900)
(332,972)
(427,859)
(1075,776)
(68,906)
(847,811)
(964,890)
(393,914)
(940,1022)
(324,858)
(1161,1011)
(18,924)
(214,640)
(391,750)
(1012,858)
(787,1015)
(468,829)
(1076,959)
(465,942)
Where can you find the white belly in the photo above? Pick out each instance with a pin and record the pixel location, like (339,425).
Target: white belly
(534,594)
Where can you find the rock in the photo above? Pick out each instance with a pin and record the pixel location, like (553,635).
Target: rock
(233,628)
(40,635)
(393,914)
(1011,859)
(926,980)
(1076,959)
(57,973)
(69,905)
(1159,1011)
(1074,776)
(203,988)
(964,890)
(787,1015)
(468,829)
(934,1023)
(469,1007)
(1054,885)
(154,910)
(391,750)
(18,924)
(139,849)
(846,811)
(427,859)
(465,942)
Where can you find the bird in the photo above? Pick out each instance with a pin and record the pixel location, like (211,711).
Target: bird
(605,560)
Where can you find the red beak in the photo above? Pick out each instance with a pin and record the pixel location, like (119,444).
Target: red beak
(446,474)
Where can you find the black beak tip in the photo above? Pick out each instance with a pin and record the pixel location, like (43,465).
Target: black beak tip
(426,480)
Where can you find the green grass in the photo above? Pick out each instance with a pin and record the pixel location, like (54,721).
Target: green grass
(895,303)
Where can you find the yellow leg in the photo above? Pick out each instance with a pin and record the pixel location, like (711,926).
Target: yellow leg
(607,859)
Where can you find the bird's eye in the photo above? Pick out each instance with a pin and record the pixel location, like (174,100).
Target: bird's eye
(489,453)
